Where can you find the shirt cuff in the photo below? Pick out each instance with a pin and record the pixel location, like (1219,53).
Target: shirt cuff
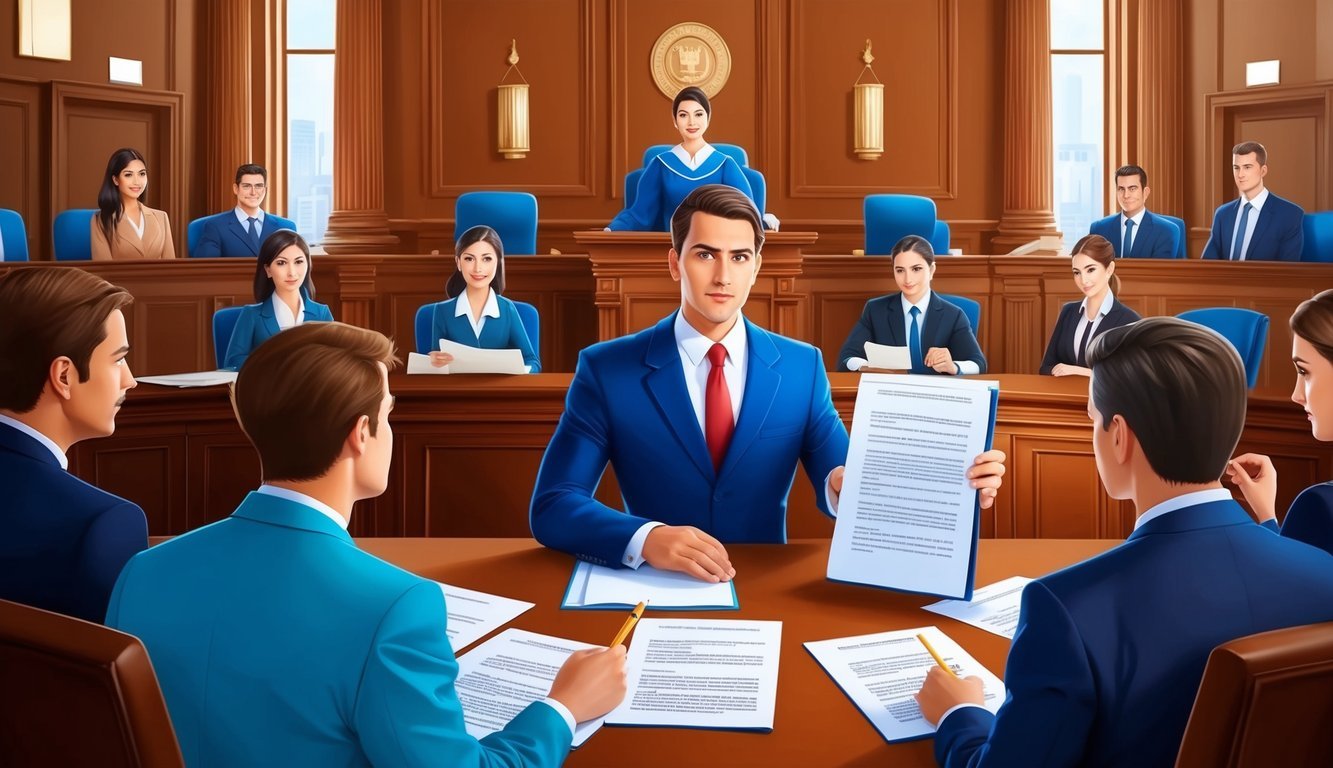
(954,709)
(830,499)
(856,363)
(565,714)
(634,551)
(967,367)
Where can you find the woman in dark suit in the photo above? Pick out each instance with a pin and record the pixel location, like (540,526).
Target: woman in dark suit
(1310,517)
(945,342)
(285,292)
(476,314)
(1099,311)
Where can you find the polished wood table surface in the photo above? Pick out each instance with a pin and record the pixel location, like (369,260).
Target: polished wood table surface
(814,724)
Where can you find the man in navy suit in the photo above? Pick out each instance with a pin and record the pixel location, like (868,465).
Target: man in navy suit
(703,416)
(63,377)
(1109,653)
(1258,225)
(240,231)
(1135,232)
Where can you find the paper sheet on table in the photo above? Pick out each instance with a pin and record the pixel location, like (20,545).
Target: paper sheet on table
(891,358)
(993,608)
(474,614)
(196,379)
(908,517)
(502,676)
(702,673)
(596,586)
(881,673)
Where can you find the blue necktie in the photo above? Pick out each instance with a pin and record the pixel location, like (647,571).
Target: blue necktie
(914,343)
(1237,246)
(254,231)
(1128,242)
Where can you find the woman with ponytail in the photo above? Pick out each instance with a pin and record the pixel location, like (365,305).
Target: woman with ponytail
(1093,262)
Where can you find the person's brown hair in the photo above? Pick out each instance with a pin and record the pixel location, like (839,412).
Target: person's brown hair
(299,394)
(715,200)
(1179,386)
(45,313)
(457,284)
(1313,321)
(1246,147)
(1100,250)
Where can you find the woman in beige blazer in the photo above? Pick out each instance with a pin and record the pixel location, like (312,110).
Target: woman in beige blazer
(124,227)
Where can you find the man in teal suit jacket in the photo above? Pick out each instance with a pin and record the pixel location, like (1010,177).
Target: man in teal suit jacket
(278,642)
(692,480)
(1109,653)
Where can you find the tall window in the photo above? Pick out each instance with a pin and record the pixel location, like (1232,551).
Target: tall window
(1078,101)
(309,53)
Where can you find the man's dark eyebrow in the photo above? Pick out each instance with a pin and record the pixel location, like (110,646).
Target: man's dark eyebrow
(125,350)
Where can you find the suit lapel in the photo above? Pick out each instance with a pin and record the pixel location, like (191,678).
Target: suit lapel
(895,319)
(1262,224)
(930,328)
(666,383)
(1144,234)
(127,236)
(761,389)
(238,232)
(270,320)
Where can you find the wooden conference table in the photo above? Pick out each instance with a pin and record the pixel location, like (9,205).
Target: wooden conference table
(814,724)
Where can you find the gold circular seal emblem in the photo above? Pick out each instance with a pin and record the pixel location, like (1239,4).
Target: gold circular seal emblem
(690,54)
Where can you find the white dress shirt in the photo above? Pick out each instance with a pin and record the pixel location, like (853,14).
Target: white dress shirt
(964,366)
(693,163)
(463,308)
(1138,222)
(283,313)
(1250,222)
(244,218)
(39,437)
(1082,327)
(138,228)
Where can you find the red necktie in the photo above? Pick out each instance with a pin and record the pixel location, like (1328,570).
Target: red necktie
(718,424)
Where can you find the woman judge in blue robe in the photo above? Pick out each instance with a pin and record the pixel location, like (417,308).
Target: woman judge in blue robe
(673,174)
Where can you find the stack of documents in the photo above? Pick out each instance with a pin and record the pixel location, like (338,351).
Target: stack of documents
(908,517)
(993,608)
(881,674)
(600,588)
(474,614)
(197,379)
(470,360)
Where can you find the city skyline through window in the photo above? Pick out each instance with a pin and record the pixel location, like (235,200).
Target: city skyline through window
(1078,110)
(309,53)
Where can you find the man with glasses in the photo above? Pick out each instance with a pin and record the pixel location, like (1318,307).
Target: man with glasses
(240,231)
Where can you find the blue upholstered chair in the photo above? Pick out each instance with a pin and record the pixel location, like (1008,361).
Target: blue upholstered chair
(526,313)
(890,218)
(970,308)
(1246,329)
(13,235)
(73,234)
(939,240)
(224,322)
(512,214)
(194,232)
(1183,235)
(1318,228)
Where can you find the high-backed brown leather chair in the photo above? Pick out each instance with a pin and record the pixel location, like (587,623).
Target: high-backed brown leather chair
(74,693)
(1265,700)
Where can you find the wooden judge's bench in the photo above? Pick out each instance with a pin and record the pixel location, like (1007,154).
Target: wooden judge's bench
(468,447)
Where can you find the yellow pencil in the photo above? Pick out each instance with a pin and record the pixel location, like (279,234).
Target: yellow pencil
(628,626)
(935,655)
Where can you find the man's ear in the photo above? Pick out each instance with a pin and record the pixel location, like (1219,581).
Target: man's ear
(673,264)
(1123,441)
(60,377)
(358,438)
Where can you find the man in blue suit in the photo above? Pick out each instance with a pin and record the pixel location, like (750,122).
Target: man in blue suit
(1258,225)
(703,416)
(277,641)
(243,229)
(63,377)
(1135,232)
(1109,653)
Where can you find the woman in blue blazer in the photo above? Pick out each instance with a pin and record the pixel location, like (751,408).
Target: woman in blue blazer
(945,343)
(284,292)
(1310,517)
(1093,261)
(476,314)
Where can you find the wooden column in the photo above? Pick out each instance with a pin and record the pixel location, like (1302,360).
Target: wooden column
(1161,120)
(1028,162)
(227,129)
(358,223)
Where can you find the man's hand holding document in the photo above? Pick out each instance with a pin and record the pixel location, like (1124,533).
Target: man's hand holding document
(908,514)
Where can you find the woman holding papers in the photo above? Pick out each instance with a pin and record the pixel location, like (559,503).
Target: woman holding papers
(1310,517)
(476,314)
(937,335)
(284,292)
(1100,311)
